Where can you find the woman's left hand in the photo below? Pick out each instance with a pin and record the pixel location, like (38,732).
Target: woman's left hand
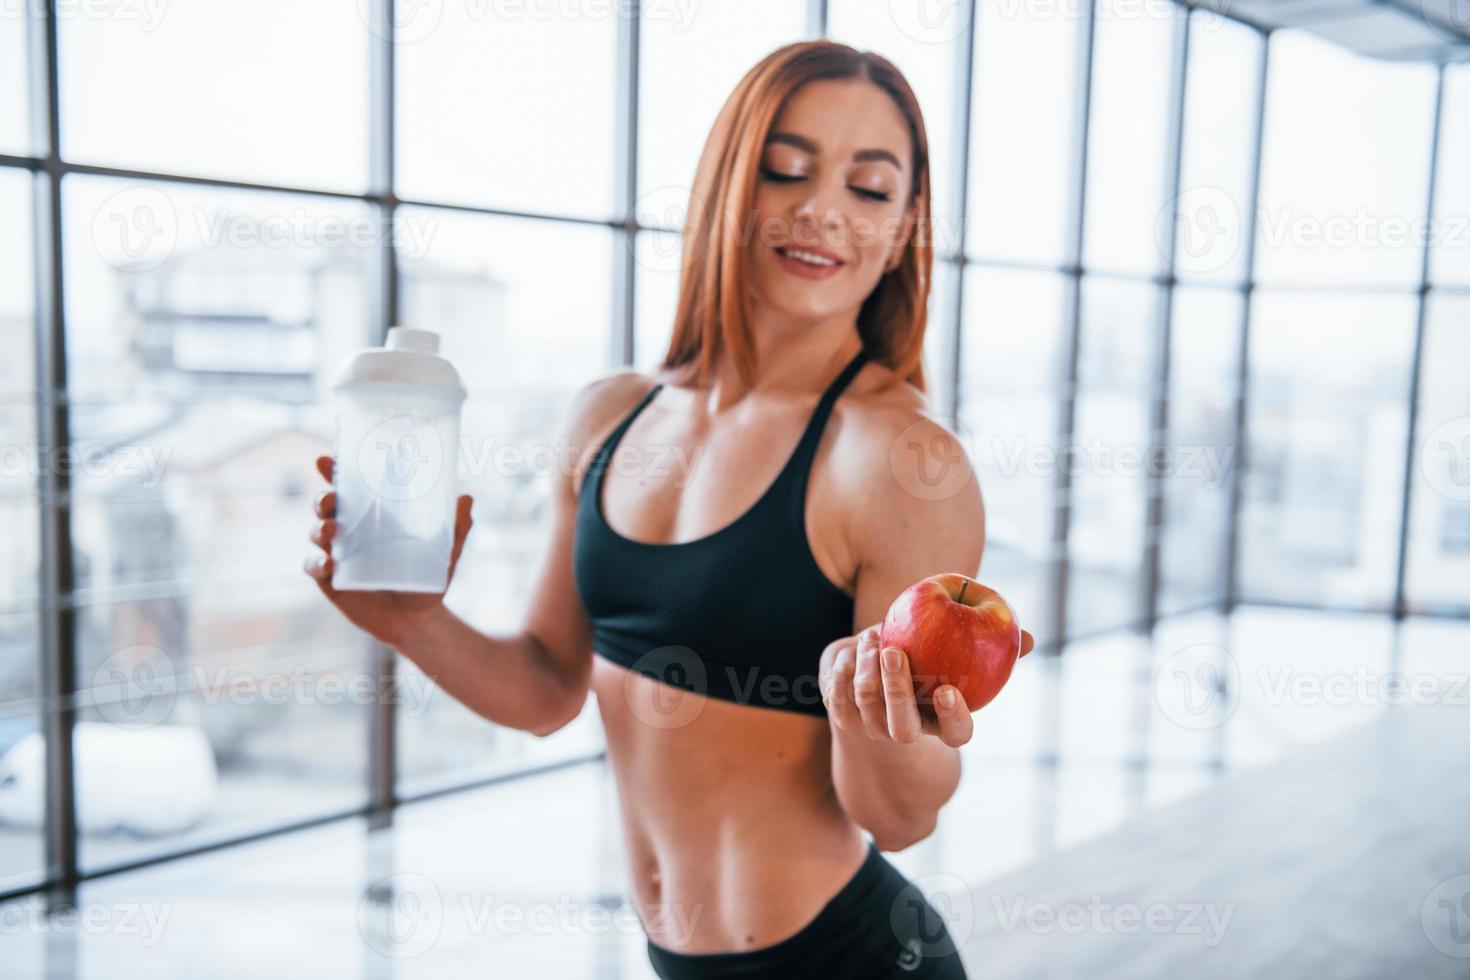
(873,694)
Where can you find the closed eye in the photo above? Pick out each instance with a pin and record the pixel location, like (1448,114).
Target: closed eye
(775,176)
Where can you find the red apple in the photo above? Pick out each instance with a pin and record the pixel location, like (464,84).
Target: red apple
(954,631)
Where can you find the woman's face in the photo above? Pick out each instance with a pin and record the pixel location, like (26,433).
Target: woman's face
(834,181)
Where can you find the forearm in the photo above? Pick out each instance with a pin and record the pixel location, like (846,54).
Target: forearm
(511,681)
(893,790)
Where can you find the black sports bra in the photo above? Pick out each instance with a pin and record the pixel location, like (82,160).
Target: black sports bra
(741,614)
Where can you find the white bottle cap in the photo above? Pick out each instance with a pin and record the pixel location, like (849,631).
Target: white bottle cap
(409,360)
(409,338)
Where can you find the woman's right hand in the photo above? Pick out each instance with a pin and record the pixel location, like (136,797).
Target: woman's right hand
(386,616)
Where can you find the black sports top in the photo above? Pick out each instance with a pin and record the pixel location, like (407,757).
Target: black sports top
(741,614)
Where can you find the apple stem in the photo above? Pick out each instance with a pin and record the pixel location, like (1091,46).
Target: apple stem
(963,586)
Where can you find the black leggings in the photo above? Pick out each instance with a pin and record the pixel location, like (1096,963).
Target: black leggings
(878,926)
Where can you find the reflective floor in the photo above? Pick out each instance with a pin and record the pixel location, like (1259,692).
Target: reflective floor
(1279,794)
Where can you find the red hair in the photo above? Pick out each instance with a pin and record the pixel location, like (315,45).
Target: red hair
(710,316)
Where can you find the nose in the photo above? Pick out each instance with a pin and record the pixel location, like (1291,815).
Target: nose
(816,220)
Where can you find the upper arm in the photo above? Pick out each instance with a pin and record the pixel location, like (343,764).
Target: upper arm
(909,524)
(556,618)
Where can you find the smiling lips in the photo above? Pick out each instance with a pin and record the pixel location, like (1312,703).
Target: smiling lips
(808,262)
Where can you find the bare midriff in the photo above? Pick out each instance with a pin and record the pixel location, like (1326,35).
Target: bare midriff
(734,834)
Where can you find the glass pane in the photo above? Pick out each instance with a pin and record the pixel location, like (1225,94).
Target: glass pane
(1128,134)
(1203,353)
(203,329)
(17,331)
(1115,365)
(690,65)
(1011,358)
(22,746)
(938,365)
(204,718)
(273,91)
(14,116)
(1439,542)
(1450,257)
(1345,165)
(1329,382)
(1023,141)
(1219,130)
(22,749)
(504,106)
(525,343)
(927,50)
(656,296)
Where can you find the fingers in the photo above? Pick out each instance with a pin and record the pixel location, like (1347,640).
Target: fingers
(325,504)
(322,535)
(867,686)
(319,567)
(841,708)
(1028,643)
(956,725)
(898,691)
(462,524)
(324,467)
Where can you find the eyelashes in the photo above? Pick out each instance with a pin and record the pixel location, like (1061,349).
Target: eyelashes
(776,177)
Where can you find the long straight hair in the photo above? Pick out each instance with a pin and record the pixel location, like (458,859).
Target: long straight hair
(710,317)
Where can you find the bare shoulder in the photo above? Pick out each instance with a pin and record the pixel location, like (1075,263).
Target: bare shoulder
(894,453)
(596,409)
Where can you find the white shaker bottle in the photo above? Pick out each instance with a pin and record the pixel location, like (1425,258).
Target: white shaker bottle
(397,453)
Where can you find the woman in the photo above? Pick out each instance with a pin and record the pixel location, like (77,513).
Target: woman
(754,731)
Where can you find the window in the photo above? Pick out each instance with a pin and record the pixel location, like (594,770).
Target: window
(525,341)
(1450,254)
(690,64)
(1344,165)
(656,294)
(1011,388)
(203,328)
(13,84)
(22,744)
(476,86)
(1439,526)
(1204,351)
(1128,137)
(1109,453)
(1221,96)
(259,77)
(1329,375)
(1023,153)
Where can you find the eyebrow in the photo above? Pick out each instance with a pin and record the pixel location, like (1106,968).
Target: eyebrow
(807,146)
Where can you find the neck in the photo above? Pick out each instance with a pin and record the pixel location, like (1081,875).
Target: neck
(792,357)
